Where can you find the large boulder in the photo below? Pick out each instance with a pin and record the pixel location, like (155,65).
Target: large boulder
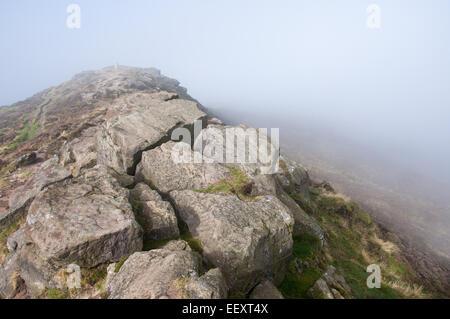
(123,138)
(87,221)
(156,216)
(48,173)
(162,274)
(159,169)
(248,241)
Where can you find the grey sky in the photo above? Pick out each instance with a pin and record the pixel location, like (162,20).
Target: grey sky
(299,61)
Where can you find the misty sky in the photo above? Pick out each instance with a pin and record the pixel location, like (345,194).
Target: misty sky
(301,61)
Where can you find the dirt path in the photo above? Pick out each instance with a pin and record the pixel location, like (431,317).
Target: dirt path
(41,115)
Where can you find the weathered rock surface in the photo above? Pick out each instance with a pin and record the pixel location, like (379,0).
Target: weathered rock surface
(50,172)
(156,216)
(296,176)
(177,245)
(161,274)
(330,286)
(158,169)
(86,220)
(304,224)
(248,241)
(266,290)
(81,152)
(210,285)
(247,148)
(213,143)
(125,136)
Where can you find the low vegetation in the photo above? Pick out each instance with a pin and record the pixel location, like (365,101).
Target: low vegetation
(238,183)
(4,234)
(299,279)
(353,241)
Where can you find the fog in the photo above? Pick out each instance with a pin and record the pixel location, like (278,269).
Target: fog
(376,97)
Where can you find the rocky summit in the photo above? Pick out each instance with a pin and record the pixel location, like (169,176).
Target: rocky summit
(94,205)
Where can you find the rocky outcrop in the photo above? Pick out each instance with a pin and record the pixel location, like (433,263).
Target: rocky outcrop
(117,182)
(248,241)
(295,176)
(123,138)
(266,290)
(86,220)
(330,286)
(162,274)
(213,143)
(156,216)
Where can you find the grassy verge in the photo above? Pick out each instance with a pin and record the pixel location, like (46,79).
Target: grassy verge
(297,283)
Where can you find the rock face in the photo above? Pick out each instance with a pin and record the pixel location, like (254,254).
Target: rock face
(330,286)
(123,138)
(296,176)
(248,241)
(86,220)
(81,152)
(162,274)
(156,216)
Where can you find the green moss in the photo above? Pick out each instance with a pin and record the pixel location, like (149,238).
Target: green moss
(56,293)
(296,285)
(120,264)
(194,243)
(305,246)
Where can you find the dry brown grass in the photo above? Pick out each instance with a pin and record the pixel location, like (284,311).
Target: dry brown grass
(408,290)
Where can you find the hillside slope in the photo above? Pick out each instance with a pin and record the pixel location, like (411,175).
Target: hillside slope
(89,183)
